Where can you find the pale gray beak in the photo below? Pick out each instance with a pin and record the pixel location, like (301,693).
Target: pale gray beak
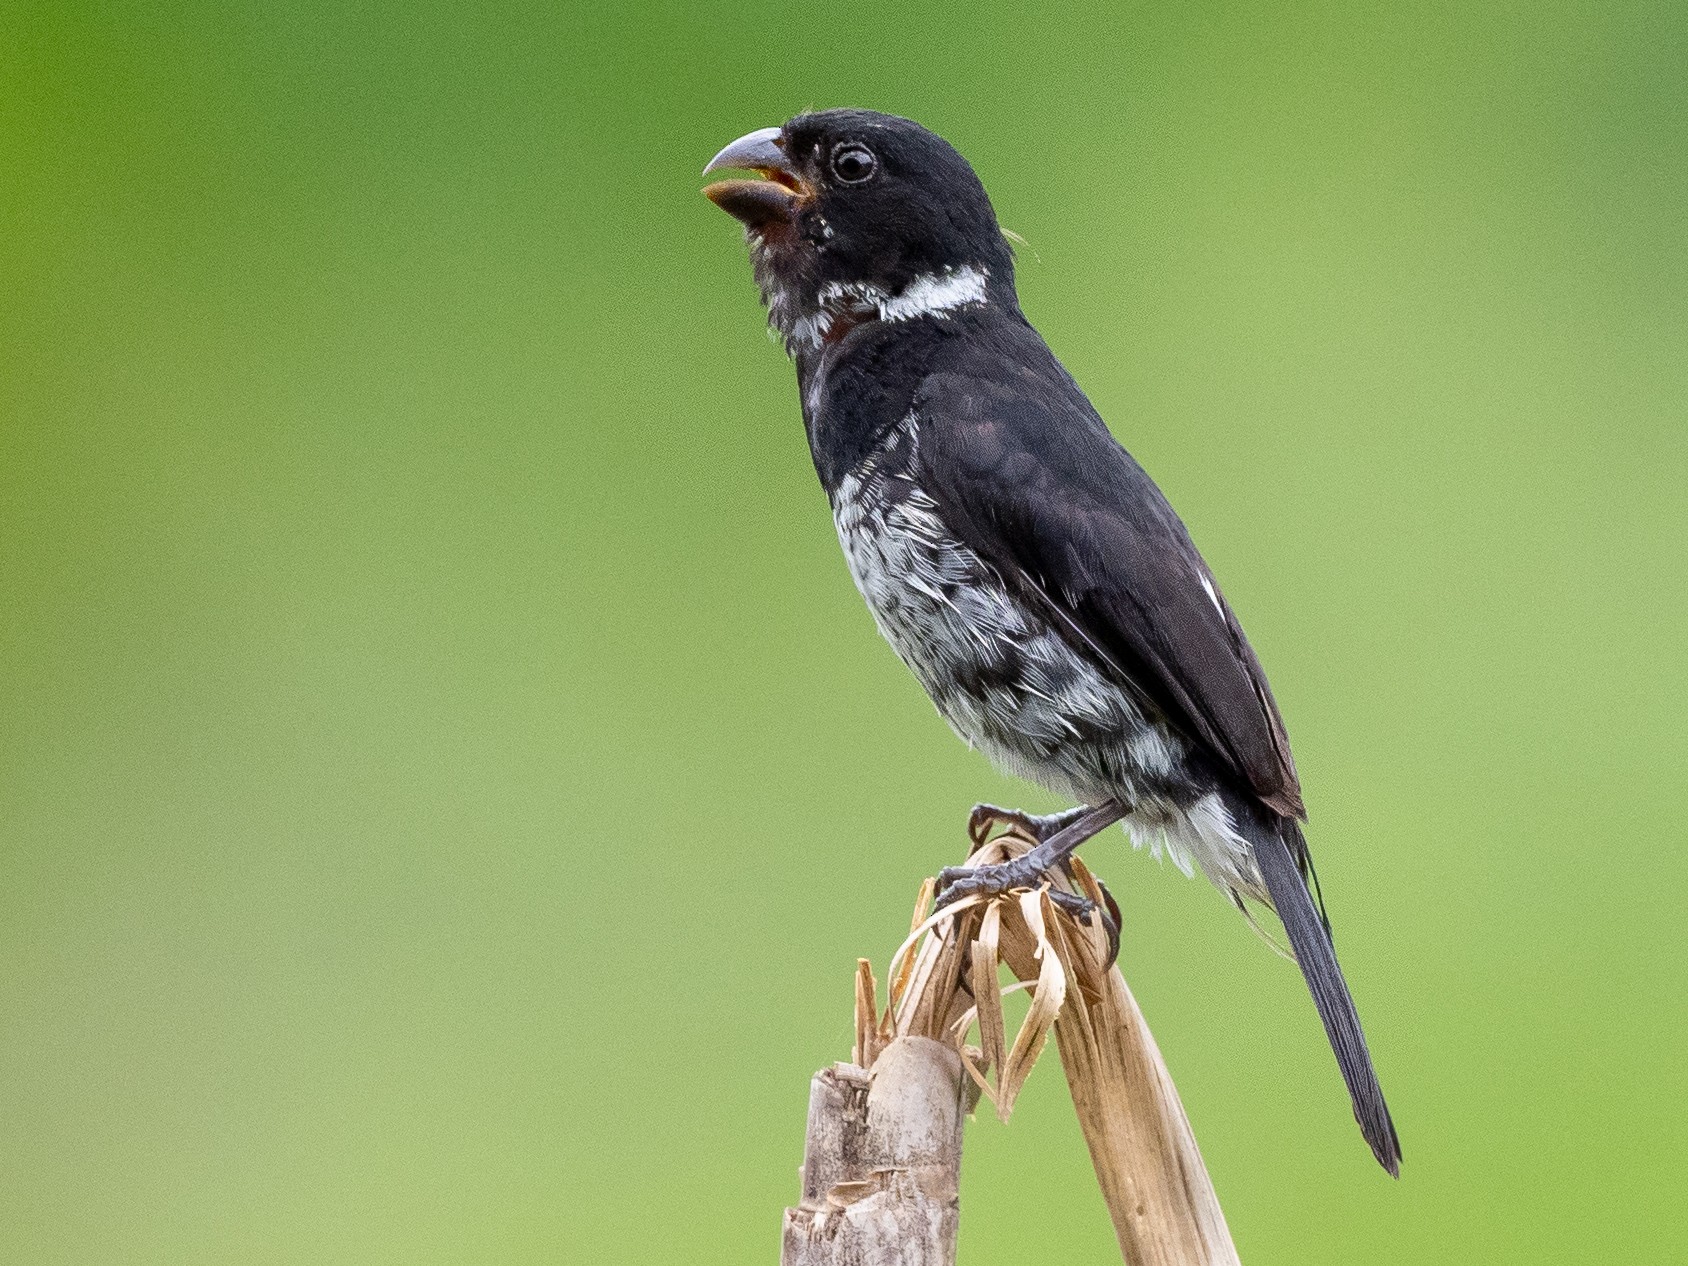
(756,202)
(759,151)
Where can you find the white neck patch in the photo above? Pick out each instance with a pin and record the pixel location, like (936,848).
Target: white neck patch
(930,294)
(935,294)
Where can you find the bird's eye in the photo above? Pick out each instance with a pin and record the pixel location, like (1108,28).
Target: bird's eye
(853,162)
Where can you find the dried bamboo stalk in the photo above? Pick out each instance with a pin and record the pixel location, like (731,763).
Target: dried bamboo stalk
(882,1165)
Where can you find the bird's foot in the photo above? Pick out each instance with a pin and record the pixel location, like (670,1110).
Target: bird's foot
(957,882)
(985,818)
(1065,832)
(1023,873)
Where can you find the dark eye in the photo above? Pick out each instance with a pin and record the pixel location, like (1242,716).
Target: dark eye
(853,162)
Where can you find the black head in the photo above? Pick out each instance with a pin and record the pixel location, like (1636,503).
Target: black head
(860,210)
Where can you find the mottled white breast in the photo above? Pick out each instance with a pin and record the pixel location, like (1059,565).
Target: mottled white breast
(1008,683)
(1002,677)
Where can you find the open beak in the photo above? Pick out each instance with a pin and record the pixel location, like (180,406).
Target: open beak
(756,202)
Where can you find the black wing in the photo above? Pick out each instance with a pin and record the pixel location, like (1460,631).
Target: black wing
(1026,473)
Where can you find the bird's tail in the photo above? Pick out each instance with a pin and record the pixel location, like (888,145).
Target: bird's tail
(1277,849)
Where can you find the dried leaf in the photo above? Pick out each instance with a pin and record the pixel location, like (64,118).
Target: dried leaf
(1049,993)
(900,967)
(867,1020)
(922,911)
(987,996)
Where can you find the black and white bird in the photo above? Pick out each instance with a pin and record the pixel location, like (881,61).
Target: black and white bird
(1017,558)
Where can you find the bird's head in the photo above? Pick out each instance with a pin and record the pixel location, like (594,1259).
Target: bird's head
(861,216)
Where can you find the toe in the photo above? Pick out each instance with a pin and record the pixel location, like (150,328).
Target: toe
(954,883)
(983,819)
(1080,908)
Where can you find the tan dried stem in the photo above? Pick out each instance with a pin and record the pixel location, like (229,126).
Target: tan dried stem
(1150,1171)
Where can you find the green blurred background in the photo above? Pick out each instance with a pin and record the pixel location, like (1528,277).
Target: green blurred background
(448,775)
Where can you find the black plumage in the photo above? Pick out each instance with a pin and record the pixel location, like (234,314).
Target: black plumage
(1018,559)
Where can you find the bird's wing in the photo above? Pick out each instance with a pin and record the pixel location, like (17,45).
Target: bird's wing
(1026,474)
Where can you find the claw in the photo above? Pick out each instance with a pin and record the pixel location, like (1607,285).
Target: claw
(1114,916)
(1112,929)
(1083,909)
(985,817)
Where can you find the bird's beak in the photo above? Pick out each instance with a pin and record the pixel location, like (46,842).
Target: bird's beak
(756,202)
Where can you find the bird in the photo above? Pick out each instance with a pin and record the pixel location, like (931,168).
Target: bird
(1019,561)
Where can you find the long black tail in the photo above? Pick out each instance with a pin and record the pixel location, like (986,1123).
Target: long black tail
(1276,853)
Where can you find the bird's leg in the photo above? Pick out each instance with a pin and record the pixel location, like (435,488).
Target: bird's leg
(955,882)
(1040,826)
